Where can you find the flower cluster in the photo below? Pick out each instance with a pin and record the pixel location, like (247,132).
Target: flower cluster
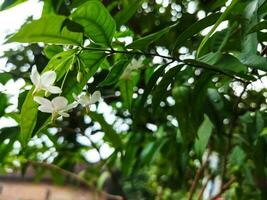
(58,106)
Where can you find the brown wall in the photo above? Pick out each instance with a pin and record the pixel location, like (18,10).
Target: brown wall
(29,191)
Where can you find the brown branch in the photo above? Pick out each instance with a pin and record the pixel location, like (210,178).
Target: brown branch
(75,177)
(225,187)
(197,177)
(231,130)
(204,187)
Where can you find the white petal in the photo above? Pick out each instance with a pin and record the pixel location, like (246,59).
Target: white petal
(43,101)
(70,106)
(95,97)
(84,100)
(48,78)
(53,89)
(64,114)
(45,109)
(35,77)
(59,103)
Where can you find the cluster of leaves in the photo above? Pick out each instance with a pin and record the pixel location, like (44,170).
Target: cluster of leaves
(187,99)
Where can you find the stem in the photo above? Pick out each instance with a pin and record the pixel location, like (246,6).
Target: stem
(225,187)
(73,176)
(204,187)
(231,130)
(197,177)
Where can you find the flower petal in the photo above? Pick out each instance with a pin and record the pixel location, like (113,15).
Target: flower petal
(95,97)
(35,76)
(84,100)
(48,78)
(45,109)
(59,103)
(53,89)
(43,101)
(64,114)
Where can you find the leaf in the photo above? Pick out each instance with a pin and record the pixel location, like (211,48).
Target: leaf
(90,62)
(145,41)
(110,134)
(5,77)
(204,133)
(98,25)
(28,118)
(218,22)
(254,61)
(52,50)
(10,3)
(182,97)
(115,72)
(224,62)
(129,9)
(195,28)
(259,26)
(151,150)
(161,88)
(126,88)
(48,29)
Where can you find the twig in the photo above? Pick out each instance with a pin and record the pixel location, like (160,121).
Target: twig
(73,176)
(231,130)
(225,187)
(204,187)
(197,177)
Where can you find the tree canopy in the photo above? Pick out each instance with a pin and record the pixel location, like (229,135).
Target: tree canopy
(151,99)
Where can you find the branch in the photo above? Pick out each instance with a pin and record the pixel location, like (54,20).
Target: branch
(225,187)
(73,176)
(231,130)
(204,187)
(197,177)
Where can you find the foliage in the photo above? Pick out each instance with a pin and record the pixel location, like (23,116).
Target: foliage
(183,103)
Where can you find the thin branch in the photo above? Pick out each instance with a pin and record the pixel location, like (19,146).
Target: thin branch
(73,176)
(225,187)
(204,187)
(231,130)
(197,177)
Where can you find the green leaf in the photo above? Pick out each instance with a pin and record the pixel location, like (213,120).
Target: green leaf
(182,97)
(90,62)
(28,118)
(195,28)
(203,133)
(5,77)
(151,150)
(160,90)
(218,22)
(115,72)
(259,26)
(129,9)
(110,134)
(98,25)
(3,103)
(224,62)
(48,29)
(10,3)
(254,61)
(52,50)
(126,88)
(145,41)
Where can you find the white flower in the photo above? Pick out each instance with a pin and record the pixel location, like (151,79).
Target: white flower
(58,106)
(133,65)
(87,100)
(44,81)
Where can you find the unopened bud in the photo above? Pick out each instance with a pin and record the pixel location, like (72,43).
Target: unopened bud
(79,76)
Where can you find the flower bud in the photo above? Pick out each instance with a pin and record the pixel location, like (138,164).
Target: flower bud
(79,77)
